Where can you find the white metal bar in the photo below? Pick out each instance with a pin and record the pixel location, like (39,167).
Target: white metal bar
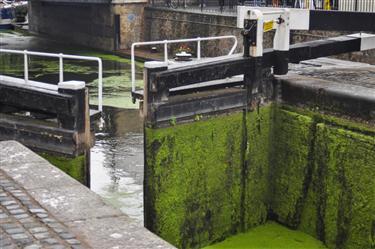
(100,85)
(133,67)
(165,42)
(26,67)
(199,48)
(61,67)
(166,52)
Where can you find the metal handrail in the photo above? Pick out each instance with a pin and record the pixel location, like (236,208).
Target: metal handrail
(61,67)
(166,42)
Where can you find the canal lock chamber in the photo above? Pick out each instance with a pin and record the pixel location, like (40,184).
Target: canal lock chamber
(222,175)
(214,178)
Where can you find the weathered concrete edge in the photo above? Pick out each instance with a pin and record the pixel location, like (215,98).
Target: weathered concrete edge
(80,209)
(350,100)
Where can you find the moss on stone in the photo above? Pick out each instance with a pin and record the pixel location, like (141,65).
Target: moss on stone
(75,167)
(270,236)
(291,139)
(193,180)
(256,168)
(335,180)
(343,188)
(209,179)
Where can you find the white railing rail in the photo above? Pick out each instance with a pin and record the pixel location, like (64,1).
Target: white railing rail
(166,42)
(61,67)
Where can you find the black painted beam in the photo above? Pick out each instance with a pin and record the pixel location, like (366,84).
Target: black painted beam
(32,100)
(342,20)
(201,72)
(322,48)
(238,65)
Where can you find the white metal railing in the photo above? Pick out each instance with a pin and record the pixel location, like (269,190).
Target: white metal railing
(61,57)
(166,42)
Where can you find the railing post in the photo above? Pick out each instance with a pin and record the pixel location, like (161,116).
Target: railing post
(100,85)
(133,67)
(26,67)
(61,68)
(165,51)
(199,48)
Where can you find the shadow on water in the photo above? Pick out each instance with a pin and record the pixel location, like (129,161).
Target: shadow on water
(117,157)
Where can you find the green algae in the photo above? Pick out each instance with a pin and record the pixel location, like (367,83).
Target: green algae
(309,171)
(255,168)
(116,80)
(269,236)
(14,65)
(343,192)
(116,91)
(111,57)
(345,123)
(74,167)
(192,202)
(330,174)
(193,180)
(289,164)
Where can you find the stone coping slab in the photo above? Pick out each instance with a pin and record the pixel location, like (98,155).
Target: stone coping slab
(81,210)
(331,85)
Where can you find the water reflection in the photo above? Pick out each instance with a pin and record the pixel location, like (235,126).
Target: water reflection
(117,161)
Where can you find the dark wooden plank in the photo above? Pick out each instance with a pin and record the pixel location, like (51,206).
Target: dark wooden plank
(201,72)
(183,107)
(33,100)
(38,135)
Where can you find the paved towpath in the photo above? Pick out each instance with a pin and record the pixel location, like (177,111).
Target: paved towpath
(42,207)
(25,224)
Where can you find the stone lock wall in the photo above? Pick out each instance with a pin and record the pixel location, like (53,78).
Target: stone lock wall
(131,22)
(89,24)
(85,24)
(196,188)
(162,24)
(165,24)
(212,178)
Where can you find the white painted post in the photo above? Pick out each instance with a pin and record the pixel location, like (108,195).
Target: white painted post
(165,51)
(198,48)
(100,85)
(282,34)
(133,67)
(61,68)
(26,66)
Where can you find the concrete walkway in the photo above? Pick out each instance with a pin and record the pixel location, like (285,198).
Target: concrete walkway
(42,207)
(25,224)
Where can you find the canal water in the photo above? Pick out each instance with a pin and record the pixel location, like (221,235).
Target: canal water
(117,158)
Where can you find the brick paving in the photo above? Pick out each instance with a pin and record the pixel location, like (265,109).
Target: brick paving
(25,224)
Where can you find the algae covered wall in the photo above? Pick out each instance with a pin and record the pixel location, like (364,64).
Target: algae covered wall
(209,179)
(78,167)
(323,177)
(198,188)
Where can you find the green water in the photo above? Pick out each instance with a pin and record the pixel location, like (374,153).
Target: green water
(270,236)
(116,69)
